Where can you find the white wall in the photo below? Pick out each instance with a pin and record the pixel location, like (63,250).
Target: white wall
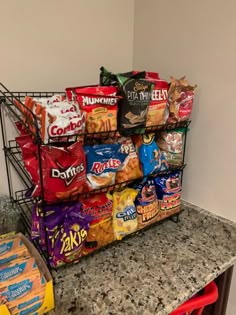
(197,38)
(50,45)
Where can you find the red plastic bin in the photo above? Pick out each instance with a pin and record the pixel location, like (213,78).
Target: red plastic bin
(195,305)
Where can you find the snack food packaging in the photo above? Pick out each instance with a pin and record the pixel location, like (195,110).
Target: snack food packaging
(146,203)
(29,304)
(29,153)
(151,158)
(100,105)
(102,163)
(124,213)
(168,189)
(11,249)
(12,292)
(109,78)
(67,233)
(130,168)
(64,172)
(133,107)
(99,235)
(98,206)
(171,143)
(19,268)
(180,100)
(55,117)
(157,109)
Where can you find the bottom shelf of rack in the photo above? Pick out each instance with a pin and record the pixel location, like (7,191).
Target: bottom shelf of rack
(26,204)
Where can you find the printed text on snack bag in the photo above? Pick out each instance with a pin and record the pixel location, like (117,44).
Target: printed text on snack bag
(99,167)
(72,240)
(170,202)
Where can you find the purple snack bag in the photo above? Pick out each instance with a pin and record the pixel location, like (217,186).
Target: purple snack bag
(35,231)
(66,234)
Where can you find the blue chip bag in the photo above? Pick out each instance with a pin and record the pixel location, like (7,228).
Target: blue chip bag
(168,189)
(152,159)
(146,203)
(102,163)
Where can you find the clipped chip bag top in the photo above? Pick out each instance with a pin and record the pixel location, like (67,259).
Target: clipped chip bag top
(124,213)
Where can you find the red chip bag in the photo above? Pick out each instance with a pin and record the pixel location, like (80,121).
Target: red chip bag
(157,107)
(98,206)
(64,172)
(100,105)
(30,156)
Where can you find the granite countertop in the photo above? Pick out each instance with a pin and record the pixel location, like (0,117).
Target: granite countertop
(151,272)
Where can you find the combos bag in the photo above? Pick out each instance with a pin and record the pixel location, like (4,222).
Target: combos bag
(133,107)
(64,172)
(180,99)
(124,213)
(102,163)
(100,105)
(146,203)
(168,189)
(171,143)
(56,117)
(151,158)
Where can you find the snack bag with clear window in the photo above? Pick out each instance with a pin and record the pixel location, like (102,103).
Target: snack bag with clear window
(180,100)
(171,143)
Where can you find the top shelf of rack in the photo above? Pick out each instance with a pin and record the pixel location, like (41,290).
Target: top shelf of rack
(9,99)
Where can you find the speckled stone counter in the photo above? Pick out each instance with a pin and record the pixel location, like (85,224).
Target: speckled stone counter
(151,272)
(9,216)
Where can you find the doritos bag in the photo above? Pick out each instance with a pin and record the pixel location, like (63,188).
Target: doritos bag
(64,172)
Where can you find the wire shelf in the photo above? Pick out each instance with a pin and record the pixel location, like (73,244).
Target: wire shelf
(13,153)
(9,98)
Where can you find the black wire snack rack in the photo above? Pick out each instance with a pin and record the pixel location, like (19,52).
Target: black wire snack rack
(13,155)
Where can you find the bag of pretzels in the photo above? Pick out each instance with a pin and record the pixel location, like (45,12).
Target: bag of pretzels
(136,95)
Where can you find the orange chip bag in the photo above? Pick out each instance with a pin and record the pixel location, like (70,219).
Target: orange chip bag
(130,169)
(100,105)
(157,107)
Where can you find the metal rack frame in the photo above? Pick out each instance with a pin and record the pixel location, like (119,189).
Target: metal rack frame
(13,153)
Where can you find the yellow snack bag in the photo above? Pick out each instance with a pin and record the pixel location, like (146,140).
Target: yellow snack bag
(124,213)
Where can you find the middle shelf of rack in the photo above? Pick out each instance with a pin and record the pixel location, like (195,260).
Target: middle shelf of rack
(13,154)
